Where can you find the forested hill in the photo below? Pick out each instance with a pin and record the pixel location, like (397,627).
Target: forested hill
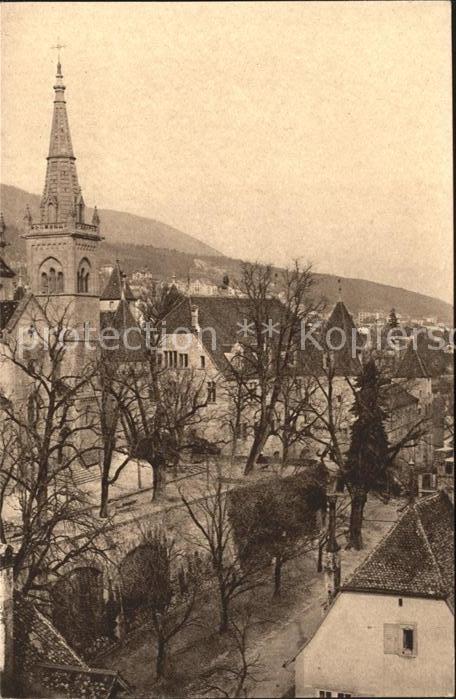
(168,253)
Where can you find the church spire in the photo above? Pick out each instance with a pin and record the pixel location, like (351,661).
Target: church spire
(61,193)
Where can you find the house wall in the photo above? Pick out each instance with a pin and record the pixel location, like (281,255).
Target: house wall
(347,654)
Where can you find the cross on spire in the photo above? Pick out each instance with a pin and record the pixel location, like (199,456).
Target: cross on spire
(339,289)
(58,46)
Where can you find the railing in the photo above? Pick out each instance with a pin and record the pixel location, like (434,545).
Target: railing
(64,226)
(49,226)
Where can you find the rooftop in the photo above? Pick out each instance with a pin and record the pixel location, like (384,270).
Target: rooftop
(7,309)
(113,289)
(224,314)
(49,666)
(5,271)
(412,365)
(396,397)
(416,557)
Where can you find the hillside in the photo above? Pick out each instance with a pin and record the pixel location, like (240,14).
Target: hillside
(183,255)
(117,225)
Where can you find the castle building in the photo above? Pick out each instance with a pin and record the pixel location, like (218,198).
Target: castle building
(62,249)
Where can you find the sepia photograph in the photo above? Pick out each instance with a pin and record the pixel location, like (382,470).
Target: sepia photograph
(226,350)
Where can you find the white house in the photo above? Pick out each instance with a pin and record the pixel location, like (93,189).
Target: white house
(390,630)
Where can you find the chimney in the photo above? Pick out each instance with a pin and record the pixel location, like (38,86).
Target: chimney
(332,558)
(6,620)
(195,318)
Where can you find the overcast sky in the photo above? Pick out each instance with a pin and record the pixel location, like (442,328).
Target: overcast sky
(268,130)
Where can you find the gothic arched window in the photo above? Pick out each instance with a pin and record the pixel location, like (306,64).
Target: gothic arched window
(51,277)
(59,288)
(83,276)
(52,212)
(52,281)
(44,283)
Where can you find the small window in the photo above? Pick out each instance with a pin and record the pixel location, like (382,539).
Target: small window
(428,481)
(211,392)
(183,361)
(407,641)
(448,468)
(44,283)
(202,361)
(52,281)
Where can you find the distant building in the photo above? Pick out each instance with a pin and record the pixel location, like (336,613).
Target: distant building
(390,630)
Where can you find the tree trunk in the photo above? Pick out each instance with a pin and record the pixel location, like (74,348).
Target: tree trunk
(277,576)
(104,498)
(320,558)
(224,614)
(2,531)
(159,481)
(355,539)
(285,452)
(257,447)
(161,658)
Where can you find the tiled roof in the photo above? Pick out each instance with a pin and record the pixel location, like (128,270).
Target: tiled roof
(223,314)
(7,309)
(416,557)
(346,358)
(5,270)
(17,311)
(113,289)
(394,397)
(412,365)
(46,664)
(130,344)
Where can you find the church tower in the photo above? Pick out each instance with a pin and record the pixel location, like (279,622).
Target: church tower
(62,249)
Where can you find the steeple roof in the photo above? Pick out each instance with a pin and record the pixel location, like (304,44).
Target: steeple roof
(113,289)
(62,193)
(411,365)
(342,336)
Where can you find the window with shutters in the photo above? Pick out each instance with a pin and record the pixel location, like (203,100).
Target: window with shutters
(400,639)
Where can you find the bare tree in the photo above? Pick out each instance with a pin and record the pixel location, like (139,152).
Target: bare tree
(150,577)
(293,419)
(50,439)
(275,306)
(160,412)
(110,394)
(232,679)
(214,534)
